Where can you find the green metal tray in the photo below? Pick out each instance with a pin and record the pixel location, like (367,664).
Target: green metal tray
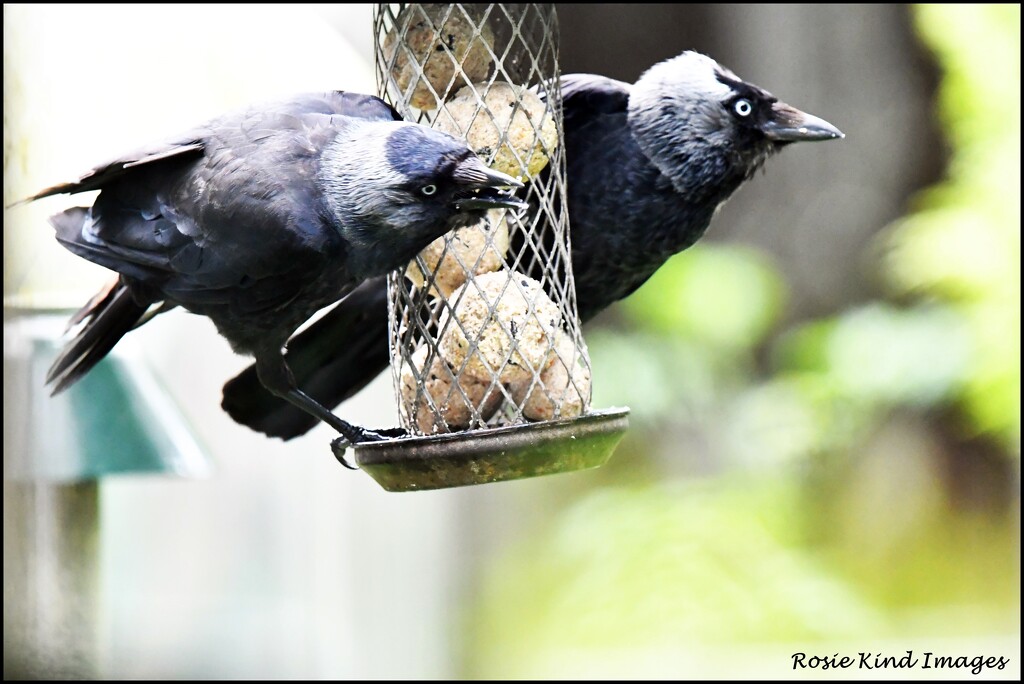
(493,455)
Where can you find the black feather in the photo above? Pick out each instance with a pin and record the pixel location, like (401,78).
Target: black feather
(108,319)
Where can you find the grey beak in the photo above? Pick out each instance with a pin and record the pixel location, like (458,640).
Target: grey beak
(483,186)
(789,124)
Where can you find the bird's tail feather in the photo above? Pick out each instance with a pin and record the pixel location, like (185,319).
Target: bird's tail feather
(108,316)
(68,223)
(332,360)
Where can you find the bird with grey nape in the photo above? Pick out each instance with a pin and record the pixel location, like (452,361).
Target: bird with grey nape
(647,166)
(262,217)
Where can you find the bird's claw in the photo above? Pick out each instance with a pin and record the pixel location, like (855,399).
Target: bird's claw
(339,446)
(362,436)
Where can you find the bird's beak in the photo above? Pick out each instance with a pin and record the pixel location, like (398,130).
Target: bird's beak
(789,124)
(483,187)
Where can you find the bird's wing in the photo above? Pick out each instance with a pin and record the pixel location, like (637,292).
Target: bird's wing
(237,207)
(340,102)
(585,96)
(188,147)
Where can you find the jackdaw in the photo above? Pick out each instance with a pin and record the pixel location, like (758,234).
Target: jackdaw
(260,218)
(648,165)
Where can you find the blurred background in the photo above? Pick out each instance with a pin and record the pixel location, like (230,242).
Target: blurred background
(824,453)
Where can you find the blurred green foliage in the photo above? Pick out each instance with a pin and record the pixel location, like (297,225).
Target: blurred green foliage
(660,567)
(847,478)
(962,247)
(748,298)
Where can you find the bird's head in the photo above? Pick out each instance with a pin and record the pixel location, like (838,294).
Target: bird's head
(394,187)
(690,112)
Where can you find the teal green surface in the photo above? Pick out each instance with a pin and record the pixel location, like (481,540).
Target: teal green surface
(116,419)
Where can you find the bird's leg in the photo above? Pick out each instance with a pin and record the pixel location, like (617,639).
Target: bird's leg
(276,376)
(353,433)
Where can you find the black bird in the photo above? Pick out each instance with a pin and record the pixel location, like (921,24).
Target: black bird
(648,165)
(262,217)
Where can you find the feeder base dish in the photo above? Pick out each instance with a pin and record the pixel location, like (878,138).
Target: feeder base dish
(493,455)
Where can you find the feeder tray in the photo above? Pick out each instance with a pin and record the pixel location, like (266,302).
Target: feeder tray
(487,319)
(492,455)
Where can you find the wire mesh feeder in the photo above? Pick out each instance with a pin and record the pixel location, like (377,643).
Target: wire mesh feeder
(489,363)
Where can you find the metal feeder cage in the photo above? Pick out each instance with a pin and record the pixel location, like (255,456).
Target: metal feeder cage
(490,367)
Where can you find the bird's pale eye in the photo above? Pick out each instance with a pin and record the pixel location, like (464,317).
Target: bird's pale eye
(428,190)
(743,107)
